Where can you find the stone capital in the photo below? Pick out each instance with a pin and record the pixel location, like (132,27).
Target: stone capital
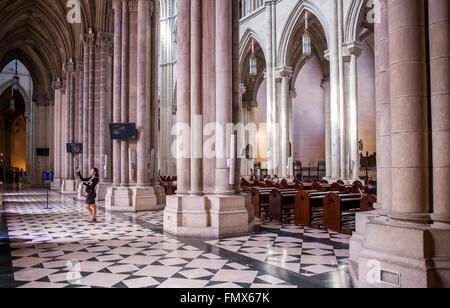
(354,48)
(133,5)
(69,67)
(325,83)
(243,89)
(57,85)
(249,104)
(327,55)
(293,93)
(80,66)
(88,39)
(284,72)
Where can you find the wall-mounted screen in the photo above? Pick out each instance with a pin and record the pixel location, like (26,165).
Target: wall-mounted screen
(123,131)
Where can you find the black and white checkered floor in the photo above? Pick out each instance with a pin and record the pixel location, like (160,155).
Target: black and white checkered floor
(58,248)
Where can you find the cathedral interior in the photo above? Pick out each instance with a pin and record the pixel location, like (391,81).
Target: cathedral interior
(224,144)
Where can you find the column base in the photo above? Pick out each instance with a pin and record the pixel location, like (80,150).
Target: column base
(160,195)
(68,187)
(56,185)
(395,254)
(131,199)
(206,216)
(80,190)
(102,190)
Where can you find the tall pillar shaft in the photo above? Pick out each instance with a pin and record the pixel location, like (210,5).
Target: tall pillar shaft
(270,85)
(334,92)
(224,92)
(355,49)
(86,105)
(383,111)
(196,97)
(117,95)
(80,68)
(104,42)
(142,92)
(284,121)
(328,156)
(70,91)
(125,87)
(91,108)
(183,92)
(409,110)
(439,29)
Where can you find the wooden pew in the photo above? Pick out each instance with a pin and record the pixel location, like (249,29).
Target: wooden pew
(309,208)
(339,210)
(282,205)
(260,201)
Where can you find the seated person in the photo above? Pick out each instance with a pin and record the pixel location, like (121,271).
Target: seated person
(275,180)
(372,188)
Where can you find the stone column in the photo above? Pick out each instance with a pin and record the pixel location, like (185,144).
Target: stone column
(383,109)
(117,95)
(355,50)
(342,113)
(270,85)
(91,103)
(104,42)
(286,74)
(244,170)
(70,92)
(439,28)
(334,92)
(196,98)
(142,93)
(80,69)
(125,87)
(224,90)
(409,107)
(86,105)
(328,156)
(221,212)
(68,186)
(57,87)
(183,92)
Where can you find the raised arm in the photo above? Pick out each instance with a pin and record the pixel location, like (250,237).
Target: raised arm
(81,177)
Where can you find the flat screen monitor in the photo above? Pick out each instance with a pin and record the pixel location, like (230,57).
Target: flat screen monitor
(75,148)
(43,152)
(123,131)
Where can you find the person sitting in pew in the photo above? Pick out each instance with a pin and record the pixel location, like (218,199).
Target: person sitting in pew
(372,188)
(275,180)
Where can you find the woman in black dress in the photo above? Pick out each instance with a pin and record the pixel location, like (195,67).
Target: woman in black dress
(90,193)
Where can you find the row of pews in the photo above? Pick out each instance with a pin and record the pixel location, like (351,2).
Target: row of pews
(169,184)
(312,204)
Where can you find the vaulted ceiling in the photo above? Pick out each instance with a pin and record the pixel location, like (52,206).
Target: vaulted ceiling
(38,34)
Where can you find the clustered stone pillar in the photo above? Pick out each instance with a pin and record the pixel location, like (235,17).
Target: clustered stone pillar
(142,93)
(383,110)
(411,243)
(354,50)
(86,38)
(80,69)
(212,207)
(68,185)
(409,110)
(439,27)
(286,74)
(334,93)
(183,95)
(326,86)
(125,86)
(58,86)
(133,90)
(117,86)
(196,98)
